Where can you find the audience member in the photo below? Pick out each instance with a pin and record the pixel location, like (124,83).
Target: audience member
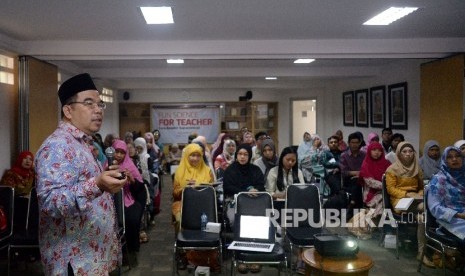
(128,137)
(303,151)
(371,172)
(404,178)
(191,137)
(109,139)
(247,138)
(446,196)
(98,152)
(21,175)
(217,143)
(372,137)
(77,213)
(342,144)
(134,198)
(396,139)
(286,173)
(333,172)
(461,145)
(226,157)
(431,159)
(269,158)
(174,155)
(312,165)
(220,147)
(386,139)
(350,164)
(256,150)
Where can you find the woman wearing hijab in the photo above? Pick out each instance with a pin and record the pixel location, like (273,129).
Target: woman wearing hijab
(431,159)
(312,164)
(373,167)
(269,159)
(461,145)
(133,209)
(241,175)
(286,173)
(304,148)
(404,179)
(192,170)
(220,147)
(446,196)
(21,175)
(226,158)
(342,144)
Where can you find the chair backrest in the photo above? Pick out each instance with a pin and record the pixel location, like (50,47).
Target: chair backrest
(386,198)
(7,198)
(32,221)
(430,220)
(195,201)
(118,198)
(305,197)
(253,203)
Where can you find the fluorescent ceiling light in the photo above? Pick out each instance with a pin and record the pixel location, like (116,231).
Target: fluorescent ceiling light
(157,15)
(304,60)
(178,61)
(271,78)
(390,15)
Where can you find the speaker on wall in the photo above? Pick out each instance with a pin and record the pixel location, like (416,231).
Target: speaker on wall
(126,95)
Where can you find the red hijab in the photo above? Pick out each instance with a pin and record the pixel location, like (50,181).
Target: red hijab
(373,168)
(18,166)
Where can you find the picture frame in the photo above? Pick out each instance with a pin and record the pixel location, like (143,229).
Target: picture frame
(348,108)
(398,105)
(378,106)
(234,125)
(361,108)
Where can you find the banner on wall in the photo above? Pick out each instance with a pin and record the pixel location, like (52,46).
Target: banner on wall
(177,123)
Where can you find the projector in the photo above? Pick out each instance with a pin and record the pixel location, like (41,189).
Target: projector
(330,245)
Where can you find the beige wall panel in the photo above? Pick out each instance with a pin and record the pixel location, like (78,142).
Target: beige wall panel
(441,101)
(43,102)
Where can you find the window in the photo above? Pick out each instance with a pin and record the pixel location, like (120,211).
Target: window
(107,95)
(6,70)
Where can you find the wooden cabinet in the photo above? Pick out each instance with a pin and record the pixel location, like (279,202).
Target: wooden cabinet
(134,117)
(255,116)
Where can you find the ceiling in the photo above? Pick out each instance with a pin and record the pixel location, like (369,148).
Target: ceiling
(228,43)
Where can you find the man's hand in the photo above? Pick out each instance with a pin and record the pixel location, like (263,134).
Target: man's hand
(109,182)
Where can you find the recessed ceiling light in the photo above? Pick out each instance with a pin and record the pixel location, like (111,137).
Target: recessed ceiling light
(304,60)
(157,15)
(271,78)
(177,61)
(390,15)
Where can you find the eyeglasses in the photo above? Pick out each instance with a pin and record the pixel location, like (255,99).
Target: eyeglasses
(91,104)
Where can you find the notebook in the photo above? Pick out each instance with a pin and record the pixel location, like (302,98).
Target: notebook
(255,234)
(404,203)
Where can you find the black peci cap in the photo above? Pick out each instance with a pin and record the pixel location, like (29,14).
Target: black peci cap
(74,85)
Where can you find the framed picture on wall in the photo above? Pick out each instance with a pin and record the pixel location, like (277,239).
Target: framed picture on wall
(361,107)
(377,106)
(348,108)
(398,116)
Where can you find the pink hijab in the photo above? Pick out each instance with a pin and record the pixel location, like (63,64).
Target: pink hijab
(127,164)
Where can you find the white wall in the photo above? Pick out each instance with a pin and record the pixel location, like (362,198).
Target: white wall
(327,93)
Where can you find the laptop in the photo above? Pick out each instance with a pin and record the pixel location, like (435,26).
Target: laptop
(255,233)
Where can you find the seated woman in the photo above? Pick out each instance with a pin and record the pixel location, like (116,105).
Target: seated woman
(286,173)
(192,171)
(21,175)
(21,178)
(174,155)
(133,189)
(242,176)
(431,159)
(312,165)
(269,158)
(373,167)
(226,157)
(446,196)
(404,178)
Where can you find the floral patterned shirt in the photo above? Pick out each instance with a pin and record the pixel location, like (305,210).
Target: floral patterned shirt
(77,221)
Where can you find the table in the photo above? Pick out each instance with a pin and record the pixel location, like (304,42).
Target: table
(333,266)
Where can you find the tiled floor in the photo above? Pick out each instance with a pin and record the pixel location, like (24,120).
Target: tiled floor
(155,257)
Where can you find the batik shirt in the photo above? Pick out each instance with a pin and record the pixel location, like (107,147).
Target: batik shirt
(77,220)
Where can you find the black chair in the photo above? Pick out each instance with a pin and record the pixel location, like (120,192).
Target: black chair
(7,199)
(399,219)
(28,237)
(195,201)
(118,199)
(434,240)
(256,204)
(301,234)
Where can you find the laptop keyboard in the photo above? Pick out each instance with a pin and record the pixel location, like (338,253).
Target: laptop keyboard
(251,246)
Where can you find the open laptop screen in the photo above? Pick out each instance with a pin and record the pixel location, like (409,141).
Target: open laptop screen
(254,227)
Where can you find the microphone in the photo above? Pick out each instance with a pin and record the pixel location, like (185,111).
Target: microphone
(109,153)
